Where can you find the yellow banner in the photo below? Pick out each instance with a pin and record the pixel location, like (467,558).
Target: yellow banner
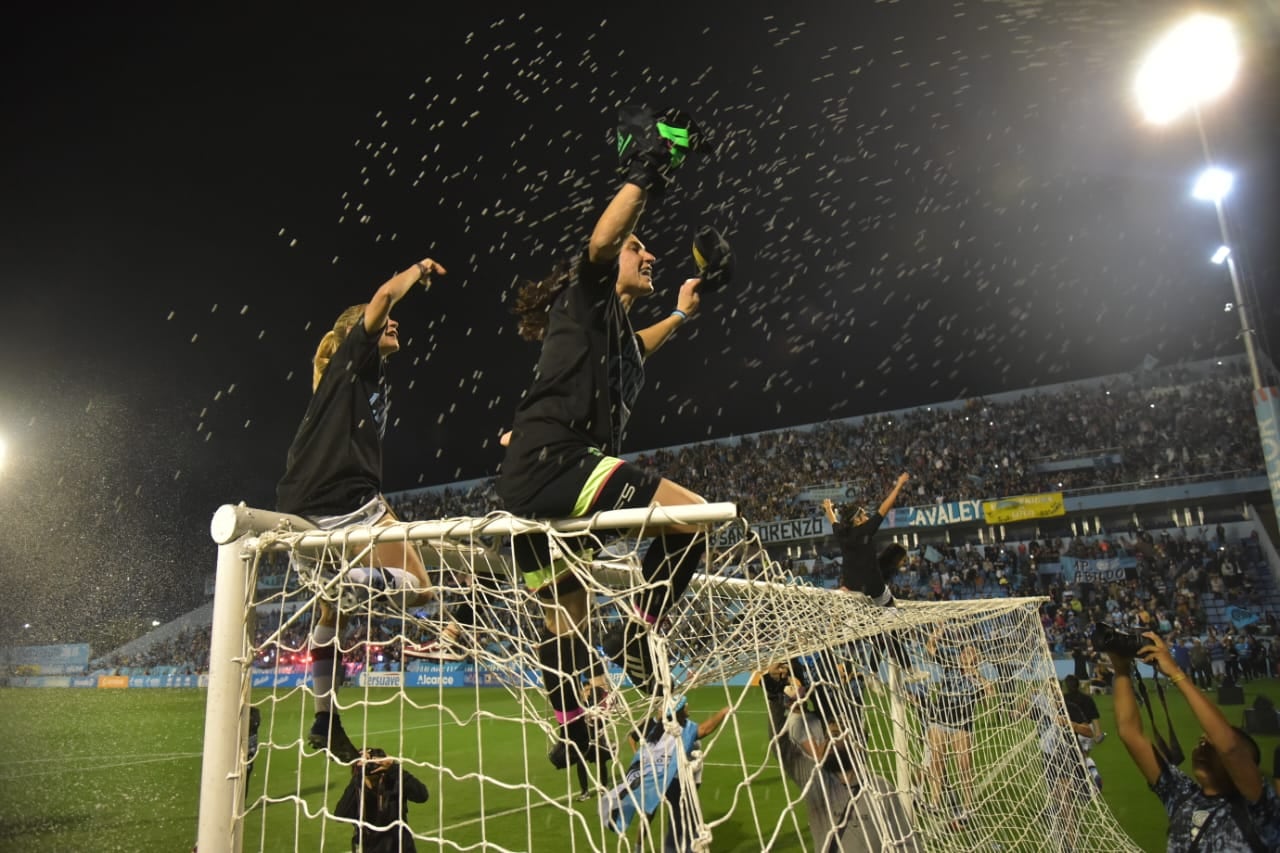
(1022,507)
(112,681)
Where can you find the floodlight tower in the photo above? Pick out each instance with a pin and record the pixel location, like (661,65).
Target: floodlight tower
(1192,64)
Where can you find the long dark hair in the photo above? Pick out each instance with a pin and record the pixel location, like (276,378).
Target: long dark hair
(534,298)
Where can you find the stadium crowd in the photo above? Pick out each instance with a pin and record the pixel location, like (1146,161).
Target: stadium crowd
(1135,429)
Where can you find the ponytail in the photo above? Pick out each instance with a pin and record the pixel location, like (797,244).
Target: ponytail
(534,299)
(332,340)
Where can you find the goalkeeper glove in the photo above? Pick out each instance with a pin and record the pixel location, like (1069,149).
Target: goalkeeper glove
(713,258)
(650,147)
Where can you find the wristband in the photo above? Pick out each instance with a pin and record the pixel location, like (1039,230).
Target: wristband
(422,271)
(1182,676)
(676,312)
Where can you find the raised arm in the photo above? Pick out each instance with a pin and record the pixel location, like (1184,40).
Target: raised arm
(888,502)
(1236,755)
(394,289)
(616,224)
(686,306)
(713,722)
(1129,724)
(830,509)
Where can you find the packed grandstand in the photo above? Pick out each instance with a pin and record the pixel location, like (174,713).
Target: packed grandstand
(1167,462)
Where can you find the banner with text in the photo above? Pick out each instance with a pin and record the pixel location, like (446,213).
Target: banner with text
(937,515)
(1266,407)
(68,659)
(771,532)
(1075,570)
(1023,507)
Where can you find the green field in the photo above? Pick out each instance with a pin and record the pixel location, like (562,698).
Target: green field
(87,770)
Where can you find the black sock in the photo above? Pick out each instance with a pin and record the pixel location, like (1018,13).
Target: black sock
(562,658)
(584,781)
(667,567)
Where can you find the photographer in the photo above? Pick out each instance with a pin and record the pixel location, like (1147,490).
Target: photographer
(377,798)
(1226,807)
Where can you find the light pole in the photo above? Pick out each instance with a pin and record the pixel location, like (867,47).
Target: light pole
(1213,185)
(1192,64)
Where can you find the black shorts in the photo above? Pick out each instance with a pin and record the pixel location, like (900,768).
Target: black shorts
(595,484)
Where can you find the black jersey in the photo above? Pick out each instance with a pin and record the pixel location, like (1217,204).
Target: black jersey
(860,568)
(335,462)
(588,377)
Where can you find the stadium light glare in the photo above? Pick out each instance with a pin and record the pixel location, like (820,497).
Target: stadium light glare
(3,450)
(1221,255)
(155,623)
(1192,64)
(1213,184)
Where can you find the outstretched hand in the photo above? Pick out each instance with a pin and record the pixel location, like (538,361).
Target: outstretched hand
(902,479)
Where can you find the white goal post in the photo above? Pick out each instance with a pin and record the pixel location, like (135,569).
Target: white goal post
(931,726)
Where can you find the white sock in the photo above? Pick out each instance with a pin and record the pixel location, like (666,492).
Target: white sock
(322,670)
(395,580)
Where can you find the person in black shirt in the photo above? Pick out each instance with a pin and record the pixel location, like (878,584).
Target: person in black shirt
(860,571)
(561,458)
(377,798)
(333,476)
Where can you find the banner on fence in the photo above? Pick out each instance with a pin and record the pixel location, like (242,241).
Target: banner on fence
(1075,570)
(1023,507)
(771,532)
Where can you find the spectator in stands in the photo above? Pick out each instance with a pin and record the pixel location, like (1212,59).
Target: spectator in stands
(1228,805)
(561,458)
(333,476)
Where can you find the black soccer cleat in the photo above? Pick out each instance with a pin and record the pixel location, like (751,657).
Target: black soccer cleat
(327,735)
(627,645)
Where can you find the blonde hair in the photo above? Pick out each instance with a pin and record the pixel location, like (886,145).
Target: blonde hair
(332,340)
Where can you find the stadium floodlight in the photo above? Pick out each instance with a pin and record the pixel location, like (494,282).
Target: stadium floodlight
(1221,255)
(3,450)
(1192,64)
(1213,184)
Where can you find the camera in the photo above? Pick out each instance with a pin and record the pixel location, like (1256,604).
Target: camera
(1114,641)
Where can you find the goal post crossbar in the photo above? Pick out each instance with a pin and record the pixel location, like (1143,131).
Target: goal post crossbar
(231,522)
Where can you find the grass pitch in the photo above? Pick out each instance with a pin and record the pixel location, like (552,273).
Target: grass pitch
(100,770)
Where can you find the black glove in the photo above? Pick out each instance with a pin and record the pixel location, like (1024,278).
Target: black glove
(714,259)
(650,147)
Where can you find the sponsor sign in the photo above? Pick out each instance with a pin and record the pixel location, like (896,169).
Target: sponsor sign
(937,515)
(380,679)
(112,682)
(163,681)
(1023,507)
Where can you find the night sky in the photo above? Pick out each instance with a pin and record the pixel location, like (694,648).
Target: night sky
(929,201)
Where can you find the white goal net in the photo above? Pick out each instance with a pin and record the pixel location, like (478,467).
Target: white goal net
(784,717)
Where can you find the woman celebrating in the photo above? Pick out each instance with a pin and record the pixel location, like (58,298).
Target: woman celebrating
(561,453)
(333,477)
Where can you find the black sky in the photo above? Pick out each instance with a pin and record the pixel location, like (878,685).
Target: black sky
(929,200)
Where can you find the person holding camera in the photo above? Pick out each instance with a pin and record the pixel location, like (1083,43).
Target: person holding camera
(1225,806)
(377,799)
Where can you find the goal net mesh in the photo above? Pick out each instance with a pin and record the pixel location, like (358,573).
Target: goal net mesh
(929,726)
